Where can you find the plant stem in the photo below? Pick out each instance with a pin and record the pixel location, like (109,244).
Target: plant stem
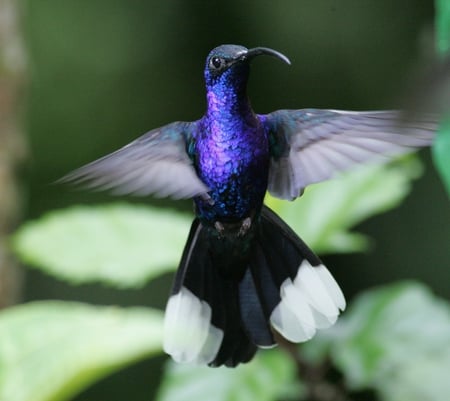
(318,387)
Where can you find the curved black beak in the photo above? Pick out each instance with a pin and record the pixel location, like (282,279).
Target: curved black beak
(258,51)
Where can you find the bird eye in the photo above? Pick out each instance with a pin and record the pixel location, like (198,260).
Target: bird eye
(217,63)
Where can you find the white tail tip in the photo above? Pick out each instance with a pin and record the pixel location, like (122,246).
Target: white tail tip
(189,335)
(312,301)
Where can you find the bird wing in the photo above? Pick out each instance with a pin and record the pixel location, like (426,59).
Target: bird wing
(312,145)
(156,163)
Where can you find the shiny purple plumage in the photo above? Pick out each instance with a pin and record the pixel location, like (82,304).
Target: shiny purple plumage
(231,150)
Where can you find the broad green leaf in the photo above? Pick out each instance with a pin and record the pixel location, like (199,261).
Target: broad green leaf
(441,153)
(443,25)
(268,377)
(326,211)
(441,147)
(395,340)
(50,351)
(119,244)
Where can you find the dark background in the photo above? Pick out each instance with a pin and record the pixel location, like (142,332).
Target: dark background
(102,72)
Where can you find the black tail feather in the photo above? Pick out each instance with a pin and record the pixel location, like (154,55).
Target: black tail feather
(283,285)
(254,318)
(277,255)
(236,346)
(276,235)
(195,253)
(200,276)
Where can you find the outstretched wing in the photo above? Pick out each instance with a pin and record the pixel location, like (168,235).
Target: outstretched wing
(156,163)
(312,145)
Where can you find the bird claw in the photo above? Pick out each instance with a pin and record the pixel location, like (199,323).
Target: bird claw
(245,226)
(219,227)
(207,199)
(223,228)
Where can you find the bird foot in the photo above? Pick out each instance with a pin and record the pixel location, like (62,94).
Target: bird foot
(242,227)
(219,227)
(245,226)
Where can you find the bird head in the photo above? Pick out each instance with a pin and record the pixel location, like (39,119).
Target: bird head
(229,64)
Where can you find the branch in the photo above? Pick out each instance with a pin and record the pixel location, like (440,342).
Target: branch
(318,386)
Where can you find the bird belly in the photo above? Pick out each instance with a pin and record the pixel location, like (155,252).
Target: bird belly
(237,173)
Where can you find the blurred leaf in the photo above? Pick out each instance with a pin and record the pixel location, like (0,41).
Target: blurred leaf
(441,153)
(326,212)
(443,25)
(121,245)
(268,377)
(51,350)
(395,340)
(441,147)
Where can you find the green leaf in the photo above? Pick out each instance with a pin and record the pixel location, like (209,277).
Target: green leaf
(326,212)
(395,340)
(441,153)
(441,146)
(50,351)
(270,376)
(121,245)
(443,25)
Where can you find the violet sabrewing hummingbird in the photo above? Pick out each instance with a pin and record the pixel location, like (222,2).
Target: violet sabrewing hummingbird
(244,274)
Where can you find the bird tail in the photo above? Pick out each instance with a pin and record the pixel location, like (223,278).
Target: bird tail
(217,319)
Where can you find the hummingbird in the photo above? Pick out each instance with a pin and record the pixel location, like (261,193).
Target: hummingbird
(245,278)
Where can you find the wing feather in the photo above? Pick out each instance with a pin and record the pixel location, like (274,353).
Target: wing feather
(313,145)
(157,163)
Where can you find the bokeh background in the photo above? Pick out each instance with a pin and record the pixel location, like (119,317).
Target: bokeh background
(100,73)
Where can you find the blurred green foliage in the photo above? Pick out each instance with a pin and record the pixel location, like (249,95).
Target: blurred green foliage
(128,245)
(120,245)
(441,148)
(49,350)
(270,376)
(395,340)
(326,212)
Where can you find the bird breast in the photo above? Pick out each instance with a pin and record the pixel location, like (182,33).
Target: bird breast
(233,162)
